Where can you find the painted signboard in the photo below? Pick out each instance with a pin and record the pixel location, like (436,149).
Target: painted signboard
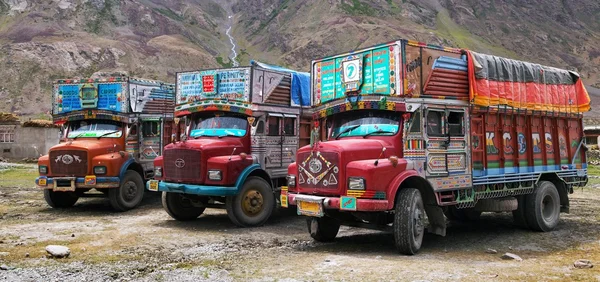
(372,71)
(231,84)
(110,96)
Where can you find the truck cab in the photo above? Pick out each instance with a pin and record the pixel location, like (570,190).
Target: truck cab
(108,146)
(409,134)
(243,127)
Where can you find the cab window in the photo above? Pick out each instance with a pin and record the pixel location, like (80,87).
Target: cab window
(151,128)
(455,123)
(435,123)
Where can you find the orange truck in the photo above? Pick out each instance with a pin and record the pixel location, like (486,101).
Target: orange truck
(112,130)
(412,132)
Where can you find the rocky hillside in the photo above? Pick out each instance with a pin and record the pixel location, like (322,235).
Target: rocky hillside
(150,38)
(45,40)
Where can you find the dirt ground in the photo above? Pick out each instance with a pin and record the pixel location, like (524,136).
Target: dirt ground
(145,244)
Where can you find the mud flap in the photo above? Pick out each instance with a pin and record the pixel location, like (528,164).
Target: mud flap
(437,221)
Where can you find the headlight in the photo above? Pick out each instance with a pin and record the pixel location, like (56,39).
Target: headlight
(291,181)
(214,175)
(356,183)
(43,169)
(158,171)
(99,170)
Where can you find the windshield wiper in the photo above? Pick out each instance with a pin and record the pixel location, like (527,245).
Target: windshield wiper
(378,131)
(348,129)
(108,133)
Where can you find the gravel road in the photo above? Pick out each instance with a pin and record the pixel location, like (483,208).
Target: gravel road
(145,244)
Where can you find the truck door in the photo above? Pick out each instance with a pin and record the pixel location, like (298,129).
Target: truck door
(150,140)
(282,143)
(448,164)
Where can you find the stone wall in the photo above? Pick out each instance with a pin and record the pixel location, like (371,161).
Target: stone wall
(30,142)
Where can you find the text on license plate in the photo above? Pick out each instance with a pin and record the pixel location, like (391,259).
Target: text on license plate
(310,208)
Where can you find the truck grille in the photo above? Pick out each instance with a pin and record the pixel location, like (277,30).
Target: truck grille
(318,170)
(182,165)
(68,163)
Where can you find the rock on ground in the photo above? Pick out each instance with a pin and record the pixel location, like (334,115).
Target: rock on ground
(58,251)
(510,256)
(583,263)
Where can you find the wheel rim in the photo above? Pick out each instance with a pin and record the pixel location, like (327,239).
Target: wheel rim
(252,202)
(548,208)
(418,225)
(130,190)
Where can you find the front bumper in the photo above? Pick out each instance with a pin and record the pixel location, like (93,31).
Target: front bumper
(79,182)
(201,190)
(343,203)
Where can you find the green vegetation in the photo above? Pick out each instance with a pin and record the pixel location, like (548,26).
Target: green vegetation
(18,177)
(105,14)
(273,14)
(358,8)
(169,14)
(462,38)
(224,64)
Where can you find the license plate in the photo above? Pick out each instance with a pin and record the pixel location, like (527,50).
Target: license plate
(310,208)
(284,201)
(153,185)
(90,180)
(70,188)
(42,182)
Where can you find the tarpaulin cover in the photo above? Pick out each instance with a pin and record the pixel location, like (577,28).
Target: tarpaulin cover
(498,81)
(300,88)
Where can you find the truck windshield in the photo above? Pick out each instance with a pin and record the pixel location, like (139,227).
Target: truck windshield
(363,124)
(95,128)
(218,126)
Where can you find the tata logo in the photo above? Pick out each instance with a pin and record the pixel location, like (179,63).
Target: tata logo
(315,166)
(67,159)
(179,163)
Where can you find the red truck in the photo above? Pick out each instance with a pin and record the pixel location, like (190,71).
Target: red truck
(414,131)
(243,127)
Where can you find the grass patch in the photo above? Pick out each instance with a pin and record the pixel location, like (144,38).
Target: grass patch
(169,14)
(358,8)
(447,28)
(224,64)
(18,177)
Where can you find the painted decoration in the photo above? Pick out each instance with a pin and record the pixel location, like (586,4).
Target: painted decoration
(372,71)
(82,96)
(229,84)
(148,97)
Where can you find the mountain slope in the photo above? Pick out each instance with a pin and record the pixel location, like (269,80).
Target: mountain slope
(44,40)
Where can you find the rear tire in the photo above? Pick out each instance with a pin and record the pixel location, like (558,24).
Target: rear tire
(59,200)
(180,207)
(409,221)
(130,194)
(323,229)
(253,205)
(542,207)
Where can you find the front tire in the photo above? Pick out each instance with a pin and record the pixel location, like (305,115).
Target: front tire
(409,221)
(130,194)
(253,205)
(323,229)
(180,207)
(542,207)
(59,200)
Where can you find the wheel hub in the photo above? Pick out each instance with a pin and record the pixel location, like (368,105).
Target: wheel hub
(129,190)
(418,224)
(252,202)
